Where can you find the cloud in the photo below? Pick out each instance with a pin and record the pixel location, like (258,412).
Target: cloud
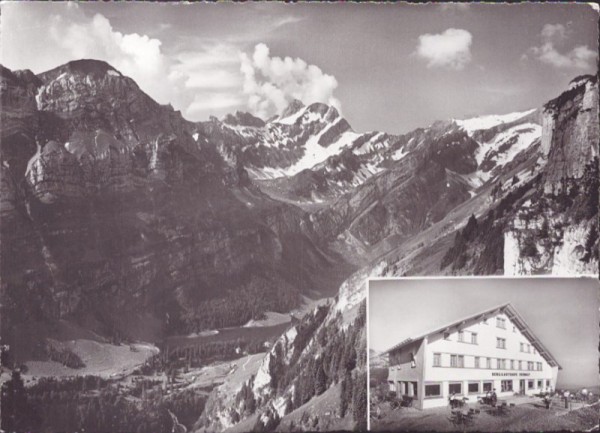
(135,55)
(450,49)
(203,82)
(271,83)
(201,77)
(554,37)
(212,102)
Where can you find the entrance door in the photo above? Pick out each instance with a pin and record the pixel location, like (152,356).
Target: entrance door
(522,386)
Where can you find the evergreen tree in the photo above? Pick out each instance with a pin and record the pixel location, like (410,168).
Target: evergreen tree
(359,402)
(320,380)
(590,241)
(346,393)
(470,229)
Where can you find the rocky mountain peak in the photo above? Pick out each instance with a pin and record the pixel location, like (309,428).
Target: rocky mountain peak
(242,118)
(581,79)
(295,106)
(85,67)
(329,112)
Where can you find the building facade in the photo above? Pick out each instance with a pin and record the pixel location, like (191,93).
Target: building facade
(492,350)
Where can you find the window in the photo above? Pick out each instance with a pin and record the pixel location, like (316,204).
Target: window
(488,363)
(437,360)
(461,336)
(506,385)
(473,338)
(455,388)
(512,364)
(501,343)
(514,329)
(433,390)
(485,322)
(473,387)
(414,389)
(498,363)
(477,362)
(520,365)
(540,384)
(461,361)
(501,322)
(534,351)
(528,348)
(446,336)
(547,383)
(453,361)
(522,347)
(530,365)
(539,366)
(487,386)
(530,384)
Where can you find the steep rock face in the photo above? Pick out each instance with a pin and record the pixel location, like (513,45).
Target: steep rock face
(573,140)
(19,121)
(566,201)
(53,173)
(565,256)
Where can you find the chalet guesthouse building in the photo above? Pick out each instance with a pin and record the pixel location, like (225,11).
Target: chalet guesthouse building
(494,349)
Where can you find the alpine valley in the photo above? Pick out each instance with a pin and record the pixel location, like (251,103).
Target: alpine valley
(166,275)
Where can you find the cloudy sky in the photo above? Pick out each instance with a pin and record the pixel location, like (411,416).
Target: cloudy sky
(563,314)
(390,67)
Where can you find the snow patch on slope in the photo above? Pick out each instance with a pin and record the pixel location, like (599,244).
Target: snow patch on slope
(399,154)
(314,154)
(290,120)
(524,136)
(486,122)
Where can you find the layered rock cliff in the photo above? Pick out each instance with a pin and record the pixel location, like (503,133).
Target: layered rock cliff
(555,231)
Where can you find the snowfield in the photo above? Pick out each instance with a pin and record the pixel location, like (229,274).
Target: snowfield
(486,122)
(524,136)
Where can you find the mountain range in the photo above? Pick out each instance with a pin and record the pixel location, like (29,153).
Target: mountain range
(131,222)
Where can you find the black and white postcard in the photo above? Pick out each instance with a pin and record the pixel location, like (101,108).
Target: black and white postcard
(194,195)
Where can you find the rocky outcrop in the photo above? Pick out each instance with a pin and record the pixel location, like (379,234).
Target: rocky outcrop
(571,134)
(525,254)
(550,232)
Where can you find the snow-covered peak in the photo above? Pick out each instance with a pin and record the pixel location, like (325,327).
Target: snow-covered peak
(489,121)
(290,119)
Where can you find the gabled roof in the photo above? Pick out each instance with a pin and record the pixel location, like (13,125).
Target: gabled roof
(510,312)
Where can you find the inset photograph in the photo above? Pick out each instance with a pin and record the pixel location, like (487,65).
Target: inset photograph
(483,354)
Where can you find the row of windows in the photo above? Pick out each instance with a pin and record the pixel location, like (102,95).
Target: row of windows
(458,361)
(527,348)
(435,389)
(500,342)
(461,337)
